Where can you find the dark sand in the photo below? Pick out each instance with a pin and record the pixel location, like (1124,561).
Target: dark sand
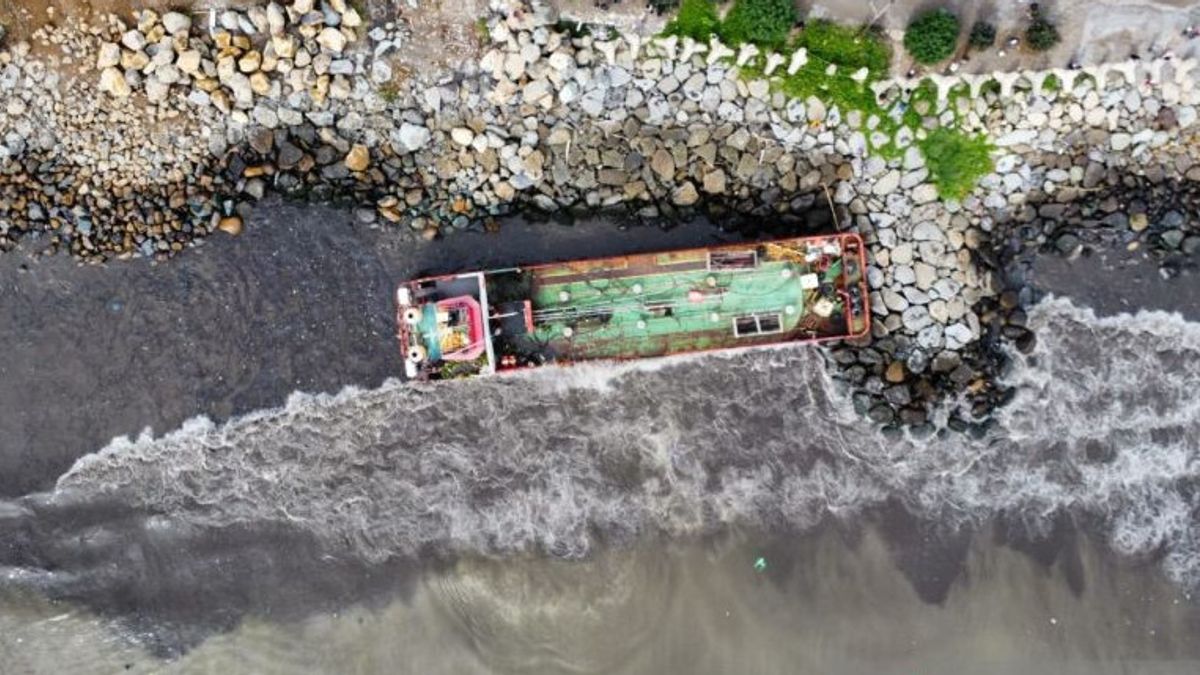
(301,302)
(1116,281)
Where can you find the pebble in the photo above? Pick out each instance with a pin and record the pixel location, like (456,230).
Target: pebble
(359,158)
(231,225)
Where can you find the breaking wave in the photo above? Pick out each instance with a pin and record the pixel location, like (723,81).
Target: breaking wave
(1104,427)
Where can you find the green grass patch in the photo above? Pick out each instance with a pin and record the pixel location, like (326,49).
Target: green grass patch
(389,93)
(849,48)
(1052,83)
(921,103)
(837,89)
(956,161)
(696,19)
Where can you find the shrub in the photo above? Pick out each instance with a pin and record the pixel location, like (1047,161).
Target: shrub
(763,22)
(1041,34)
(697,19)
(983,35)
(931,37)
(956,161)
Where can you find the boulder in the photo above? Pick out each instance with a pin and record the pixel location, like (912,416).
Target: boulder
(663,164)
(887,184)
(462,136)
(714,182)
(284,46)
(924,193)
(243,92)
(332,40)
(925,275)
(685,195)
(176,23)
(412,137)
(928,231)
(134,40)
(112,80)
(231,225)
(250,63)
(109,56)
(915,318)
(189,62)
(359,158)
(276,20)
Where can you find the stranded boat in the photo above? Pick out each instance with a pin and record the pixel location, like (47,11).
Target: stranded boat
(646,305)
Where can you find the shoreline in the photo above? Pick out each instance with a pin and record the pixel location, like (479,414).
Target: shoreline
(463,154)
(1091,196)
(254,324)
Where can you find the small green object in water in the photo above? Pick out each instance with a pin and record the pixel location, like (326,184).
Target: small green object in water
(760,564)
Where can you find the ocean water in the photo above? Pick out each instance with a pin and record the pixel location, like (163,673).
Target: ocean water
(1104,425)
(606,519)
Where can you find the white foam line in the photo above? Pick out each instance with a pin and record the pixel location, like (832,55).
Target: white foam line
(546,459)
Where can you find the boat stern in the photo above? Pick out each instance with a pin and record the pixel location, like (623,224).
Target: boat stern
(442,327)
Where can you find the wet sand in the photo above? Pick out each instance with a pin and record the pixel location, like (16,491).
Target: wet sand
(1116,281)
(301,302)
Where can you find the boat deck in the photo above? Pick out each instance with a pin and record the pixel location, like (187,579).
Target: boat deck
(655,304)
(659,305)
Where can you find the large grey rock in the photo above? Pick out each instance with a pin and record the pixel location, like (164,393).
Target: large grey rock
(462,136)
(925,274)
(957,336)
(685,195)
(893,300)
(134,40)
(928,231)
(886,184)
(924,193)
(915,318)
(1017,137)
(1185,116)
(332,40)
(109,56)
(176,23)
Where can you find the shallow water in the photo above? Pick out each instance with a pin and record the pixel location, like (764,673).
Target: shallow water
(833,602)
(597,519)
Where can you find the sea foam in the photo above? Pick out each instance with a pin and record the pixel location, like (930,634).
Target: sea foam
(1104,425)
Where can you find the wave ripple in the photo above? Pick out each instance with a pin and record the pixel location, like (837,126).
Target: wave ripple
(1104,426)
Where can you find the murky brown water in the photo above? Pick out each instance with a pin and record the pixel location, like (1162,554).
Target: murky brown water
(826,604)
